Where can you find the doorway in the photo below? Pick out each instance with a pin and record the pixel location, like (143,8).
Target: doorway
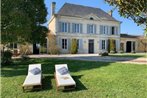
(128,46)
(35,48)
(91,46)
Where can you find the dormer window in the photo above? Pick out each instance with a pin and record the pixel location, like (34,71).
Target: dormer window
(91,18)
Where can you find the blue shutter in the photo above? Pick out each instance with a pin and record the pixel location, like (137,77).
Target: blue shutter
(106,42)
(68,27)
(107,30)
(81,28)
(87,28)
(100,44)
(101,29)
(60,43)
(68,44)
(62,27)
(59,29)
(116,30)
(110,30)
(80,44)
(72,27)
(95,29)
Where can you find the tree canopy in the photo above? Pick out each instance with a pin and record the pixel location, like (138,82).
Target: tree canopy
(134,9)
(21,21)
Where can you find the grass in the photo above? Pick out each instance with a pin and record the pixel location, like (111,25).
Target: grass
(94,80)
(134,55)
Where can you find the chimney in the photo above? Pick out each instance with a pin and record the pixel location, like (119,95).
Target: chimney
(110,13)
(53,5)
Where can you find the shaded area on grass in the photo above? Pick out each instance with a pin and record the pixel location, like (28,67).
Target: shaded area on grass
(133,55)
(93,79)
(21,67)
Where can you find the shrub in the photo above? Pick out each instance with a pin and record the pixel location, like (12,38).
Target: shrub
(24,49)
(24,57)
(6,57)
(74,47)
(104,54)
(53,47)
(54,50)
(112,46)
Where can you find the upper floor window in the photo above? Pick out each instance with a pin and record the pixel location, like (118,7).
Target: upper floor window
(104,29)
(77,28)
(91,28)
(64,27)
(112,30)
(64,43)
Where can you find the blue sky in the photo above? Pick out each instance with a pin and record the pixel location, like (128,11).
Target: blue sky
(127,25)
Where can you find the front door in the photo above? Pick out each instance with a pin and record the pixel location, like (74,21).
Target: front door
(35,49)
(91,46)
(128,48)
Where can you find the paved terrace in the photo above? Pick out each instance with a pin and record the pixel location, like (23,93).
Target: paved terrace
(93,57)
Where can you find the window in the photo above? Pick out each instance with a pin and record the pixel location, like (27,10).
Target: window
(91,28)
(78,44)
(91,18)
(112,31)
(64,27)
(13,46)
(104,29)
(76,28)
(64,43)
(103,44)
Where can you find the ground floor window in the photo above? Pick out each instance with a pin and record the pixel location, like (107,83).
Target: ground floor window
(13,46)
(103,44)
(78,44)
(64,43)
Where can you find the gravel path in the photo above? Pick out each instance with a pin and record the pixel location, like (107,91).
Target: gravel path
(93,57)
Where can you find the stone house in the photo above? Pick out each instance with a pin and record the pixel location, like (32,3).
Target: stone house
(92,27)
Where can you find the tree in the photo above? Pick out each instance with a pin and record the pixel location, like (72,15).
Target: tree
(134,9)
(22,21)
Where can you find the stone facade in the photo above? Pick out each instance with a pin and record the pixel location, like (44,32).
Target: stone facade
(84,36)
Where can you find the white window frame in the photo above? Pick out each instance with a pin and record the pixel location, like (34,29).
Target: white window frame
(76,28)
(64,44)
(64,27)
(103,44)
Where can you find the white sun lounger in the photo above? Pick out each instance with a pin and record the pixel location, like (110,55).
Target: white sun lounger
(63,82)
(33,81)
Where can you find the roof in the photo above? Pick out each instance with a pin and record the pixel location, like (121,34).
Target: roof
(128,36)
(82,11)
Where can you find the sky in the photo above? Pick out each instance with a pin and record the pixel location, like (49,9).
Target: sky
(127,25)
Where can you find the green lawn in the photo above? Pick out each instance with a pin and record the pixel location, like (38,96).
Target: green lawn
(94,80)
(134,55)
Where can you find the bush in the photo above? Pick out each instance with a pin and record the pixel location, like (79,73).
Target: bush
(74,47)
(6,57)
(133,52)
(112,46)
(112,51)
(25,57)
(121,51)
(54,50)
(53,47)
(104,54)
